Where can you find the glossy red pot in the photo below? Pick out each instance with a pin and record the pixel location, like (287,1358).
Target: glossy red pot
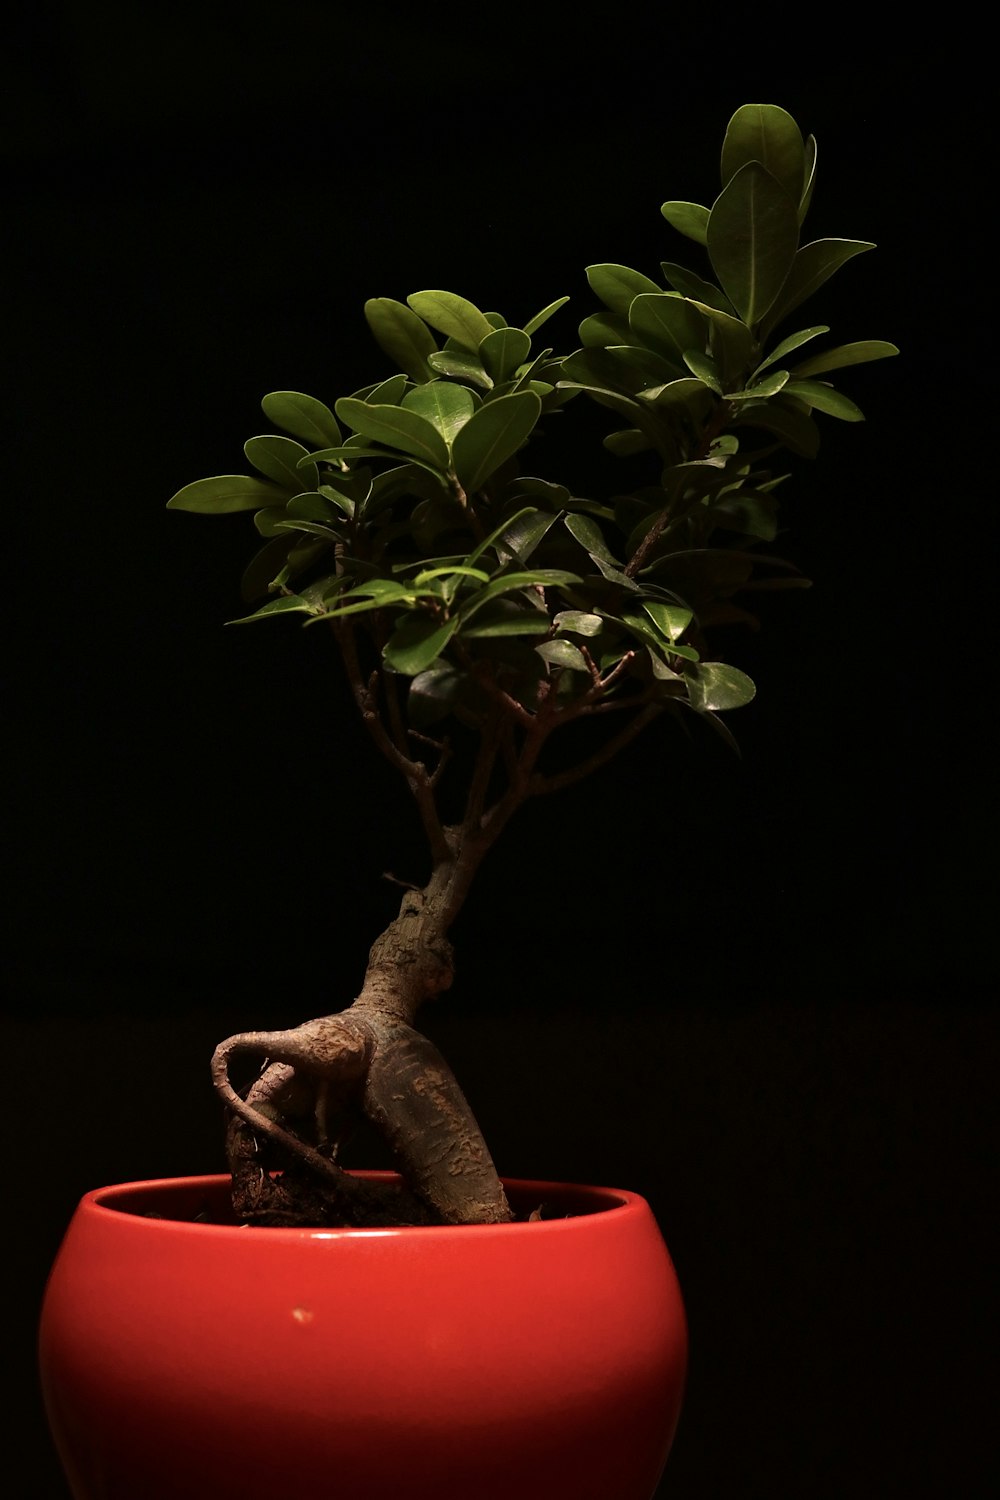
(468,1363)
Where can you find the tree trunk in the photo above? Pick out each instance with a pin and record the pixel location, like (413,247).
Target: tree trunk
(368,1060)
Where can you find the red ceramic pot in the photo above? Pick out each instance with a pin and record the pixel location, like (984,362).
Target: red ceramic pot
(459,1363)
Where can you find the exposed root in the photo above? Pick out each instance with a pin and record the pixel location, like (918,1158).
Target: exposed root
(315,1080)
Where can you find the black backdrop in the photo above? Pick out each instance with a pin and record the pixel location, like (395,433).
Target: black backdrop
(754,990)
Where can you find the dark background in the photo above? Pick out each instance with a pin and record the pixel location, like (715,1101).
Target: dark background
(757,991)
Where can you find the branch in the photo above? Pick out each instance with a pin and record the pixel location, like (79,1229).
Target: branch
(712,429)
(396,724)
(542,785)
(540,726)
(417,777)
(508,749)
(488,682)
(489,745)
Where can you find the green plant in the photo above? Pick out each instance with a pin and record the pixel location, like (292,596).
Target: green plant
(480,610)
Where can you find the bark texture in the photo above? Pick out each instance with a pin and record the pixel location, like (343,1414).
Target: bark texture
(369,1061)
(316,1080)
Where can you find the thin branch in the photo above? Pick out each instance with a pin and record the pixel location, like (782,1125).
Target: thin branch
(490,685)
(621,705)
(417,778)
(596,685)
(486,755)
(442,747)
(618,705)
(712,430)
(542,785)
(620,667)
(519,789)
(508,748)
(367,702)
(396,725)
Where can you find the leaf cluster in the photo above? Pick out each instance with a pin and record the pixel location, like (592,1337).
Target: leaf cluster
(408,515)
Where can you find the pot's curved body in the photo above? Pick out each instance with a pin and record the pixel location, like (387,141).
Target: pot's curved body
(472,1363)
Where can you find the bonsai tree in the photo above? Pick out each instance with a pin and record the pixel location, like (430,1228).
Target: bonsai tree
(484,612)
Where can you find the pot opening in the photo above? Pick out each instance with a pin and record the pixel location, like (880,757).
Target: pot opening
(206,1200)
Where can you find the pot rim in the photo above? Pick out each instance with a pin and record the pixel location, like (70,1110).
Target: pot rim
(586,1203)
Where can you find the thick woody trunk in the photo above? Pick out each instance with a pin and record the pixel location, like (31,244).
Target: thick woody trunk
(370,1061)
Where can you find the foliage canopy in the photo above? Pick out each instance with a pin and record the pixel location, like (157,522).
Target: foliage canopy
(407,515)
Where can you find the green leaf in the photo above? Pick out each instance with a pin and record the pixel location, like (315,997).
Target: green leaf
(793,341)
(498,532)
(563,654)
(523,534)
(690,219)
(591,538)
(264,567)
(543,365)
(280,459)
(715,687)
(458,366)
(312,528)
(304,417)
(796,429)
(416,642)
(346,453)
(388,392)
(533,324)
(408,481)
(627,442)
(267,521)
(813,265)
(503,350)
(445,405)
(671,324)
(223,494)
(402,335)
(749,512)
(626,368)
(288,604)
(385,591)
(810,177)
(675,392)
(395,427)
(509,582)
(453,575)
(696,287)
(859,353)
(824,398)
(617,286)
(645,631)
(706,369)
(313,505)
(660,670)
(671,620)
(768,135)
(604,328)
(580,622)
(365,600)
(492,436)
(731,342)
(769,386)
(344,502)
(528,486)
(433,694)
(453,316)
(753,235)
(505,619)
